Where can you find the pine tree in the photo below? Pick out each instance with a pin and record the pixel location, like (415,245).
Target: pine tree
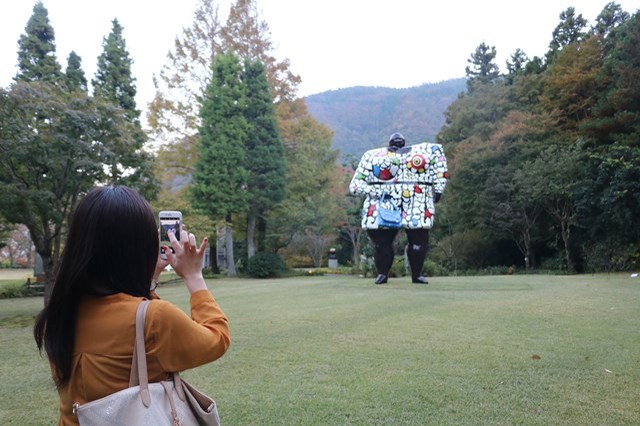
(516,64)
(37,49)
(220,178)
(483,69)
(609,19)
(569,30)
(264,152)
(113,80)
(74,74)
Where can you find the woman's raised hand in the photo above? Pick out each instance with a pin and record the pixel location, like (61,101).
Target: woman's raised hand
(187,259)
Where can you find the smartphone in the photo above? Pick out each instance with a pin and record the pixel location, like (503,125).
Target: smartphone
(169,220)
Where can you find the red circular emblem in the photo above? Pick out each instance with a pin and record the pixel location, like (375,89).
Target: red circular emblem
(418,162)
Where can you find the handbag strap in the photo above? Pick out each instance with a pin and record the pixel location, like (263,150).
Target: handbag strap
(139,374)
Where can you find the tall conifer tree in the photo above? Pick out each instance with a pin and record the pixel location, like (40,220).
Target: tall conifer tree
(571,29)
(37,49)
(265,159)
(220,177)
(76,79)
(482,69)
(114,83)
(113,80)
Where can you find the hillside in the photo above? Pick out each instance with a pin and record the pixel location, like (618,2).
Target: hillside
(364,117)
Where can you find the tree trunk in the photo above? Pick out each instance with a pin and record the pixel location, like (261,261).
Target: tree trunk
(356,254)
(213,256)
(524,245)
(566,234)
(356,242)
(42,242)
(49,275)
(251,228)
(262,233)
(231,264)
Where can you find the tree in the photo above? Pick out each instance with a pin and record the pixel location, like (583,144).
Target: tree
(74,74)
(265,160)
(350,209)
(54,146)
(115,84)
(174,113)
(16,246)
(507,208)
(553,179)
(37,49)
(220,178)
(5,230)
(610,139)
(535,66)
(569,30)
(610,190)
(549,160)
(609,19)
(311,171)
(113,80)
(616,114)
(248,36)
(516,65)
(571,83)
(482,69)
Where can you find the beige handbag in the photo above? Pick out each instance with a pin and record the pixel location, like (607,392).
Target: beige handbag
(170,402)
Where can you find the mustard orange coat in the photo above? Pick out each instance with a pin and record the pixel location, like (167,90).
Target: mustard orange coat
(105,334)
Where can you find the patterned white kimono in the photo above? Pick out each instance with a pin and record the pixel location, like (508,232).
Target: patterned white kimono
(410,176)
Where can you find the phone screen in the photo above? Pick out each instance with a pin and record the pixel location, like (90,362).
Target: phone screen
(169,221)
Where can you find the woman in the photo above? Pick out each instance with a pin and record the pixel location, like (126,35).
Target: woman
(109,265)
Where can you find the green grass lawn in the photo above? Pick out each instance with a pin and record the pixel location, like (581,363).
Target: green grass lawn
(338,350)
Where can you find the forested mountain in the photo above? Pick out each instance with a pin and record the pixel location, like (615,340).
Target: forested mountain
(364,117)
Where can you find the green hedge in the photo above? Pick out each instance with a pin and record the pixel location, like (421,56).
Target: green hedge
(265,265)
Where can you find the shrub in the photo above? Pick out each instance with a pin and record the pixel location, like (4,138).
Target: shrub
(298,261)
(265,264)
(433,269)
(17,289)
(398,268)
(497,270)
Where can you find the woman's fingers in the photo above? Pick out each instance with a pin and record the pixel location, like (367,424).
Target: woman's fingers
(174,241)
(187,242)
(203,245)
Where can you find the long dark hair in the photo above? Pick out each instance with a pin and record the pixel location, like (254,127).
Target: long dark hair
(112,247)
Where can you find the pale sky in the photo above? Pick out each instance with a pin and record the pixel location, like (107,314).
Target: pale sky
(331,44)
